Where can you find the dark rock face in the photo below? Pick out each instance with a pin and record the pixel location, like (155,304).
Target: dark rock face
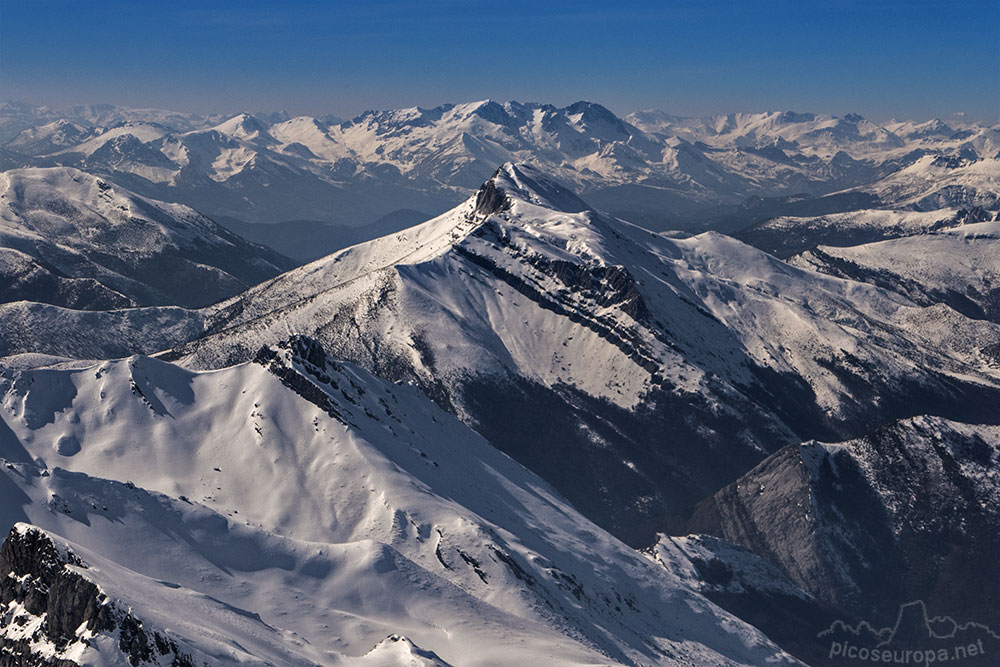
(66,598)
(618,285)
(772,510)
(33,573)
(309,354)
(908,512)
(490,200)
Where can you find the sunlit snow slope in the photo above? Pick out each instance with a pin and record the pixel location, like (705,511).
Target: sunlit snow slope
(636,373)
(71,239)
(294,510)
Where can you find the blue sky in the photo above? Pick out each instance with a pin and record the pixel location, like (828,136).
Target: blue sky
(881,58)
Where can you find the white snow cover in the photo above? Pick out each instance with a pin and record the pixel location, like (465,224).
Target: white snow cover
(65,232)
(144,132)
(50,136)
(720,300)
(66,206)
(821,135)
(447,149)
(242,520)
(965,259)
(935,182)
(885,221)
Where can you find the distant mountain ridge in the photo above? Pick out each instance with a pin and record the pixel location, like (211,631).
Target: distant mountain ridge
(636,373)
(650,167)
(71,239)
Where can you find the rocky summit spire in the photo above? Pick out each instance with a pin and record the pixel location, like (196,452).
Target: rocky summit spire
(490,199)
(528,183)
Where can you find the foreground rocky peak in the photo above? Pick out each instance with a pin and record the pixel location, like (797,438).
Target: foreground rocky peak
(55,615)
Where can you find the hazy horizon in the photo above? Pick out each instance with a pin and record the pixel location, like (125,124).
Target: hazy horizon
(887,59)
(229,113)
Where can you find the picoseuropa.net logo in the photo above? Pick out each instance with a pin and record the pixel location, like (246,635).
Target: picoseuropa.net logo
(915,639)
(906,656)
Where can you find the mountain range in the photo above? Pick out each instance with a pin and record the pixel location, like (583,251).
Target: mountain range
(648,167)
(354,523)
(71,239)
(525,430)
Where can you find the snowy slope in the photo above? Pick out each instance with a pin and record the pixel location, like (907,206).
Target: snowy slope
(812,134)
(143,132)
(50,137)
(956,266)
(934,182)
(740,581)
(75,240)
(521,224)
(785,236)
(598,334)
(300,511)
(30,327)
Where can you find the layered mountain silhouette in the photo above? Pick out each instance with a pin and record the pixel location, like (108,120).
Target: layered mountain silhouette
(524,418)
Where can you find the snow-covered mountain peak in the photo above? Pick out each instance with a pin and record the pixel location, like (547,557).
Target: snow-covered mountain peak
(268,167)
(84,242)
(399,650)
(528,183)
(522,233)
(246,127)
(138,131)
(598,120)
(37,198)
(488,109)
(50,137)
